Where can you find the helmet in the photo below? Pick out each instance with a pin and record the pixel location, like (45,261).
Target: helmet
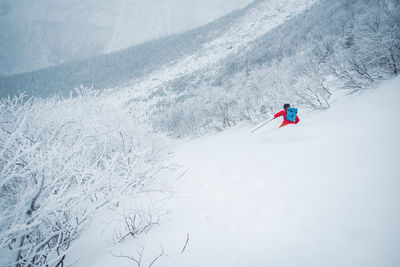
(286,106)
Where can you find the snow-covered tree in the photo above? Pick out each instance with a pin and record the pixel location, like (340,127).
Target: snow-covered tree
(61,161)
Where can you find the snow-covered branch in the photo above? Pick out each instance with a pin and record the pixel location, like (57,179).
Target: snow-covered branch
(60,162)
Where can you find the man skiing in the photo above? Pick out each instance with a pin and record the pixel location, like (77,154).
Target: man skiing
(289,115)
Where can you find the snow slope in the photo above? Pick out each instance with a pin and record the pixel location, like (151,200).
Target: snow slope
(321,193)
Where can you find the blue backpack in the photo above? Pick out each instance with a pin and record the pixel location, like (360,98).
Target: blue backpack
(291,114)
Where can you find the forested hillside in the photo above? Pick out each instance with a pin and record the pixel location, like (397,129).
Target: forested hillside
(43,33)
(334,45)
(114,69)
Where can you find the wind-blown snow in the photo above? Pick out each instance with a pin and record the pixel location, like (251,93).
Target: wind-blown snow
(320,193)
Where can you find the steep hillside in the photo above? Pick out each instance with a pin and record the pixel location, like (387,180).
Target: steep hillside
(320,193)
(348,45)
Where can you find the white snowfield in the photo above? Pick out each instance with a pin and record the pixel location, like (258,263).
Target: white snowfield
(324,192)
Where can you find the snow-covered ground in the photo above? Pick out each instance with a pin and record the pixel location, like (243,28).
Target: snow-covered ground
(324,192)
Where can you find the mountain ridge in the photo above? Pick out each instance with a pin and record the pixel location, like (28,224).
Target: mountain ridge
(130,63)
(45,33)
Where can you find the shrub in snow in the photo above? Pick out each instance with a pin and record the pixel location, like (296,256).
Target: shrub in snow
(61,161)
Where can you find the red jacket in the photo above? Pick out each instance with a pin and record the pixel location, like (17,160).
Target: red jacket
(285,121)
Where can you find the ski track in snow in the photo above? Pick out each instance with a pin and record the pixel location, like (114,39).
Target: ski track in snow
(262,18)
(321,193)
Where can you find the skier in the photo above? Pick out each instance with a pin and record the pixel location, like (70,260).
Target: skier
(289,115)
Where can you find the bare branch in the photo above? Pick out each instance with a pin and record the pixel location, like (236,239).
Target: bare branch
(186,243)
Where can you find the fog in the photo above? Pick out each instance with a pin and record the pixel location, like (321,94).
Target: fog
(37,34)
